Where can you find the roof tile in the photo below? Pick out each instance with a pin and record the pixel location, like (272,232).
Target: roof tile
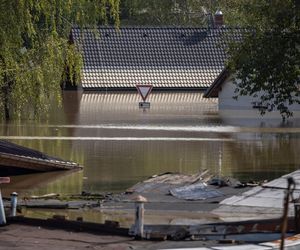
(164,57)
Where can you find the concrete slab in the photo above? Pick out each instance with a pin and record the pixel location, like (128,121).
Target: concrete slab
(269,197)
(242,247)
(282,181)
(239,247)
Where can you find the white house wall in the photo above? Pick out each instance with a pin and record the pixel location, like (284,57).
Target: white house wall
(226,101)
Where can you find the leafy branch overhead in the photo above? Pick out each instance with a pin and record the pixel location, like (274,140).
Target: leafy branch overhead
(267,63)
(35,52)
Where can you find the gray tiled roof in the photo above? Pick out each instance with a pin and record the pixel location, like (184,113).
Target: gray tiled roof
(164,57)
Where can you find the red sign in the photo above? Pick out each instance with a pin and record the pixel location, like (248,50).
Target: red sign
(4,180)
(144,90)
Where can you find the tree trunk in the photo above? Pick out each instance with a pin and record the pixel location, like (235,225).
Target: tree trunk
(5,92)
(6,89)
(6,109)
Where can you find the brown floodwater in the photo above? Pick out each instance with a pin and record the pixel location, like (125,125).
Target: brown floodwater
(120,144)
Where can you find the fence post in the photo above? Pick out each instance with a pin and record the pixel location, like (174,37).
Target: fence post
(13,203)
(2,212)
(139,217)
(284,224)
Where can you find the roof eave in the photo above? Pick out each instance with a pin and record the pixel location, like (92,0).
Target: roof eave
(213,90)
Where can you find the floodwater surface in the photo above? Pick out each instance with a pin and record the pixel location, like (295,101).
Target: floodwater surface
(120,144)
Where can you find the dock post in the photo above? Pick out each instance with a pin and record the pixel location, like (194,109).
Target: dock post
(13,203)
(297,215)
(2,212)
(139,217)
(284,224)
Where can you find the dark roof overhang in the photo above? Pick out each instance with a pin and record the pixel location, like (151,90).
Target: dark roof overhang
(213,90)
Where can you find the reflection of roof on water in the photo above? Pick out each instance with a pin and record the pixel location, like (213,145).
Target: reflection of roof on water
(159,101)
(47,182)
(164,97)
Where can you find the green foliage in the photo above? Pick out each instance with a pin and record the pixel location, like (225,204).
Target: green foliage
(267,63)
(165,12)
(35,52)
(179,12)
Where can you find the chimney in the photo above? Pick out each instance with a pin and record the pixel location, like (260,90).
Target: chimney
(218,19)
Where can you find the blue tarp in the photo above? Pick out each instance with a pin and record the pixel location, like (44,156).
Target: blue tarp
(198,191)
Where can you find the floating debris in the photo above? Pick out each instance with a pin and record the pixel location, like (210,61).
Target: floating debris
(164,182)
(198,191)
(200,186)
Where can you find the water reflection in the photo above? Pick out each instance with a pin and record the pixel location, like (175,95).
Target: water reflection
(119,144)
(69,182)
(253,118)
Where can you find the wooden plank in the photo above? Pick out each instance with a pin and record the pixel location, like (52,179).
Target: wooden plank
(292,242)
(82,226)
(4,180)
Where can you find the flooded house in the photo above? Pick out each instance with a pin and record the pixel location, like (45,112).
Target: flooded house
(169,58)
(246,106)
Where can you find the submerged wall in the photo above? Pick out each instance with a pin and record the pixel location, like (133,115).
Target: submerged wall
(244,103)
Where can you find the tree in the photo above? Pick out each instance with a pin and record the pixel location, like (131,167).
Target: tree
(180,12)
(35,50)
(266,63)
(166,12)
